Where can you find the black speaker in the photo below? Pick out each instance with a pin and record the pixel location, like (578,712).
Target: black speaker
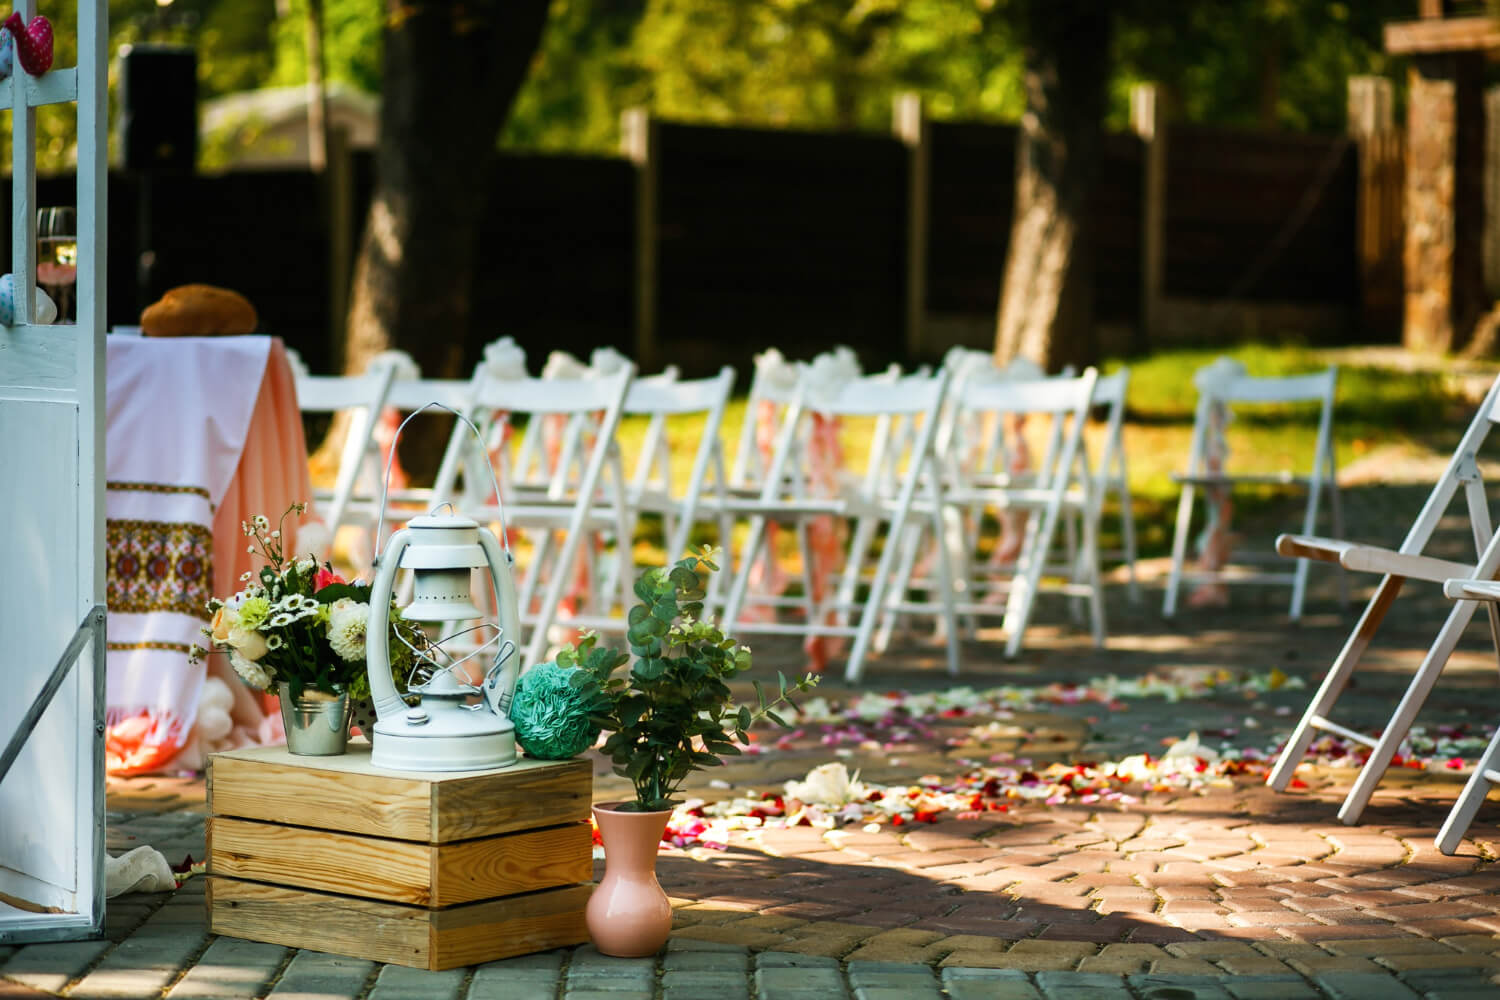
(158,118)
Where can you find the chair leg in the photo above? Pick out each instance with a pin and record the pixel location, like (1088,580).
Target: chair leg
(1090,555)
(1334,682)
(911,546)
(1179,550)
(1406,712)
(1127,534)
(1336,508)
(1461,817)
(1299,588)
(944,585)
(734,604)
(1028,579)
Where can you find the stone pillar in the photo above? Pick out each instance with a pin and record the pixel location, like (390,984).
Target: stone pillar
(1444,201)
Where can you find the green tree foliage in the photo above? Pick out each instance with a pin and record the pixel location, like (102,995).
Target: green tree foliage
(801,63)
(351,44)
(1267,63)
(837,63)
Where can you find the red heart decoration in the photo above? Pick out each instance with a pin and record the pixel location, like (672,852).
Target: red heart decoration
(33,43)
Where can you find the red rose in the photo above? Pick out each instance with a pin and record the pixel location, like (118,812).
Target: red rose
(326,577)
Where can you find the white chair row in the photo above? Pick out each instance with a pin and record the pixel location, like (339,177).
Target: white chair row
(567,493)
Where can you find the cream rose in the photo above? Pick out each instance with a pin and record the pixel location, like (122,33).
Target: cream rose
(224,619)
(247,642)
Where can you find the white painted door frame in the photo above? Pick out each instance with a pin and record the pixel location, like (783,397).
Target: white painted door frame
(52,581)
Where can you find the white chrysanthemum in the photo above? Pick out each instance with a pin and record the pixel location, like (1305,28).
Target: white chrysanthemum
(262,522)
(281,620)
(253,674)
(346,628)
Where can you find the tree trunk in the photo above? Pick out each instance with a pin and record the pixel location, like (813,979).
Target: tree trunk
(451,71)
(1046,307)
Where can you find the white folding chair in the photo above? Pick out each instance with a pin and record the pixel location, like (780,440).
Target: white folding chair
(1396,567)
(579,506)
(362,397)
(652,488)
(1219,394)
(1060,486)
(788,496)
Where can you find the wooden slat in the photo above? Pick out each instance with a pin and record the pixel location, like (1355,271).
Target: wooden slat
(375,867)
(546,793)
(431,875)
(345,793)
(399,935)
(511,864)
(281,792)
(484,932)
(381,932)
(1452,34)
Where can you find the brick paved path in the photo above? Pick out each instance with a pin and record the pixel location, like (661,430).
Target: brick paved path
(1229,891)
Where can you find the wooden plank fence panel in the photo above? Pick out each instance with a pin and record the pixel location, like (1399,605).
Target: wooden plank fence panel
(778,238)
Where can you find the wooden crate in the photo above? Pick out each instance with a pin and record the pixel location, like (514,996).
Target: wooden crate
(432,870)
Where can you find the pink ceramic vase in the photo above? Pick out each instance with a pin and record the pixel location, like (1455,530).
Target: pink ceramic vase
(629,915)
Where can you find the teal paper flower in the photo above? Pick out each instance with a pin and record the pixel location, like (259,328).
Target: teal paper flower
(550,720)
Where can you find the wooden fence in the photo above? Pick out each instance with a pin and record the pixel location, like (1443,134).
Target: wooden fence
(707,244)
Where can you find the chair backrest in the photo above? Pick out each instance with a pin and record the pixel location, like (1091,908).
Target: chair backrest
(1109,392)
(1462,470)
(1063,400)
(596,403)
(661,398)
(907,411)
(1238,390)
(771,392)
(362,396)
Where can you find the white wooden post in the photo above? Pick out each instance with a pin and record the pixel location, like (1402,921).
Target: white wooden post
(910,126)
(1149,121)
(638,142)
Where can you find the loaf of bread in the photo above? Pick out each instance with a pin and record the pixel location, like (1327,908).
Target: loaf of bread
(199,311)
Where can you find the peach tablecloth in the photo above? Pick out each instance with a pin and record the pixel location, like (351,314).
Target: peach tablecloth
(201,434)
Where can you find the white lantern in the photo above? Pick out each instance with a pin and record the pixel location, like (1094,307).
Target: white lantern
(449,730)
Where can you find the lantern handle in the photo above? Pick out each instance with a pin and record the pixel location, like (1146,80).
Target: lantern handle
(385,482)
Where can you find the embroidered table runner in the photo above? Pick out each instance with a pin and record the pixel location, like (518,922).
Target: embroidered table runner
(201,433)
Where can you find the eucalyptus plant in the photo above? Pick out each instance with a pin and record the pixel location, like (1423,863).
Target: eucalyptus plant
(672,712)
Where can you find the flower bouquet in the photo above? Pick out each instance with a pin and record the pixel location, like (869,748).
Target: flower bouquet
(300,624)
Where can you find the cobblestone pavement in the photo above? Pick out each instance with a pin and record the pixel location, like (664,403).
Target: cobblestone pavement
(1225,892)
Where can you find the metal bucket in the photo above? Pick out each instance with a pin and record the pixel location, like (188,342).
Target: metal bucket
(317,724)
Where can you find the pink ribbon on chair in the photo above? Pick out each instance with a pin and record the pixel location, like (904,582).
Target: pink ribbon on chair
(825,457)
(1215,543)
(385,440)
(1013,521)
(766,576)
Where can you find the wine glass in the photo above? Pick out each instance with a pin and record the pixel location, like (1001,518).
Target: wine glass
(57,257)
